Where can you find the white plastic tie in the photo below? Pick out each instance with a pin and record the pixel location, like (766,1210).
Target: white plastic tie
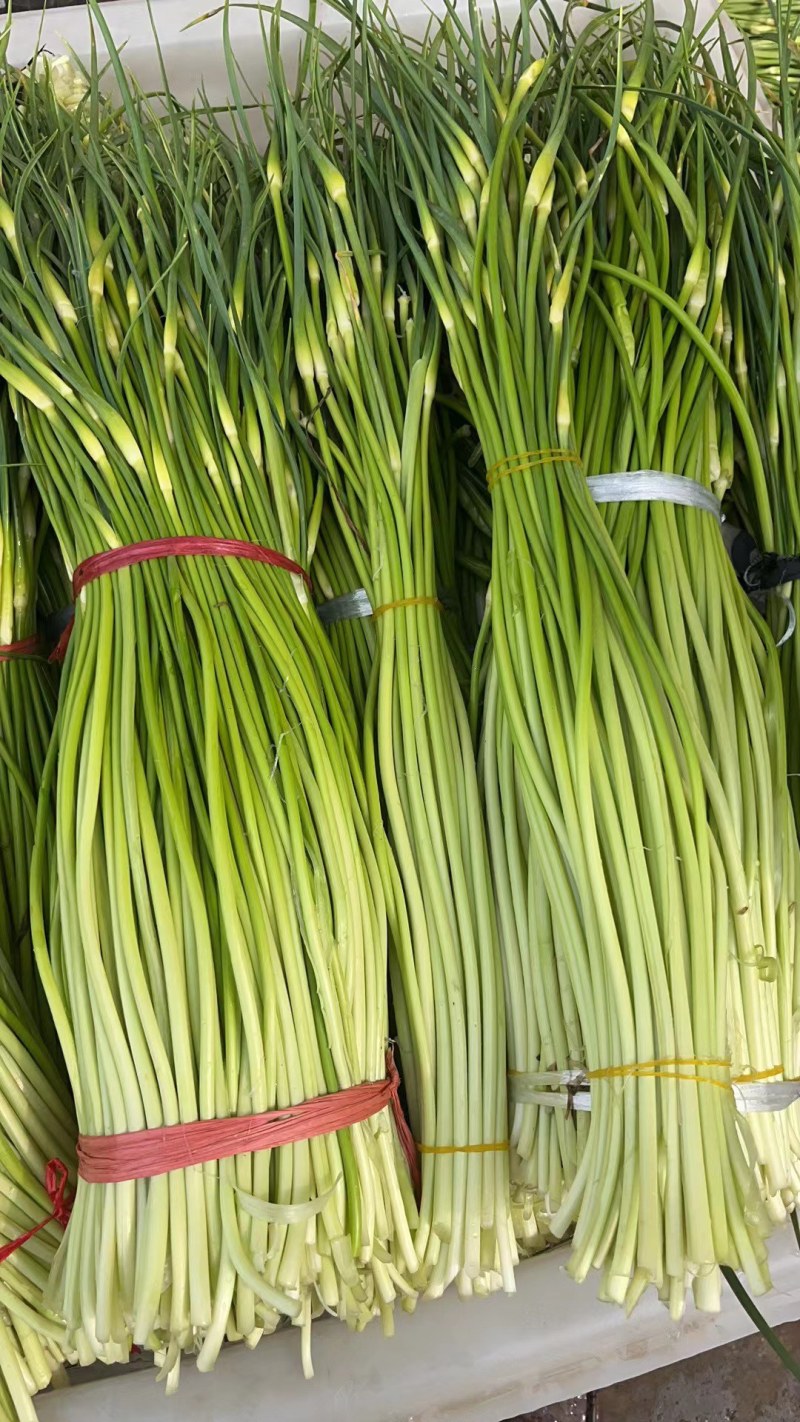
(649,486)
(791,618)
(346,608)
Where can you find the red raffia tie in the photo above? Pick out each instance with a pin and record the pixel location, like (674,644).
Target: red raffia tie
(140,1155)
(190,546)
(28,647)
(56,1180)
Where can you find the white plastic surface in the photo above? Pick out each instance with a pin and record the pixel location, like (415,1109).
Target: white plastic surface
(193,58)
(474,1362)
(471,1362)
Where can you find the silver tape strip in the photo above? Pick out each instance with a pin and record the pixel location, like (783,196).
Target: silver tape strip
(345,608)
(541,1089)
(650,486)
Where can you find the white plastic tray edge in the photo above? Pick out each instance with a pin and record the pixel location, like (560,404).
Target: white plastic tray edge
(477,1361)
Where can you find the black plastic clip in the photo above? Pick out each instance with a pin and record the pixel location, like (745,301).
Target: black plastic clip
(757,572)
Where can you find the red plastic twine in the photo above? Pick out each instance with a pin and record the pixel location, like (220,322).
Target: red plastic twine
(190,546)
(186,547)
(139,1155)
(56,1179)
(28,647)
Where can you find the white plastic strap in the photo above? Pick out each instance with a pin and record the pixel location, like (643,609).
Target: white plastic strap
(345,608)
(537,1088)
(649,486)
(791,619)
(540,1089)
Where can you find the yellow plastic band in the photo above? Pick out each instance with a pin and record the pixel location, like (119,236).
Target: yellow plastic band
(666,1068)
(758,1075)
(529,459)
(407,602)
(649,1068)
(462,1150)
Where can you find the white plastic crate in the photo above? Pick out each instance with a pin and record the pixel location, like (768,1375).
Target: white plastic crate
(479,1361)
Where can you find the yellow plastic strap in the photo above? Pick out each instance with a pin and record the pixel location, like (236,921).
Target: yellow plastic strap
(462,1150)
(529,459)
(667,1068)
(407,602)
(759,1075)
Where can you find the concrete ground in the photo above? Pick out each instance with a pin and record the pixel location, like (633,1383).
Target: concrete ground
(743,1382)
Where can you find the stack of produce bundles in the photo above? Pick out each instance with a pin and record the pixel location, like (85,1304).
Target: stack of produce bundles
(413,712)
